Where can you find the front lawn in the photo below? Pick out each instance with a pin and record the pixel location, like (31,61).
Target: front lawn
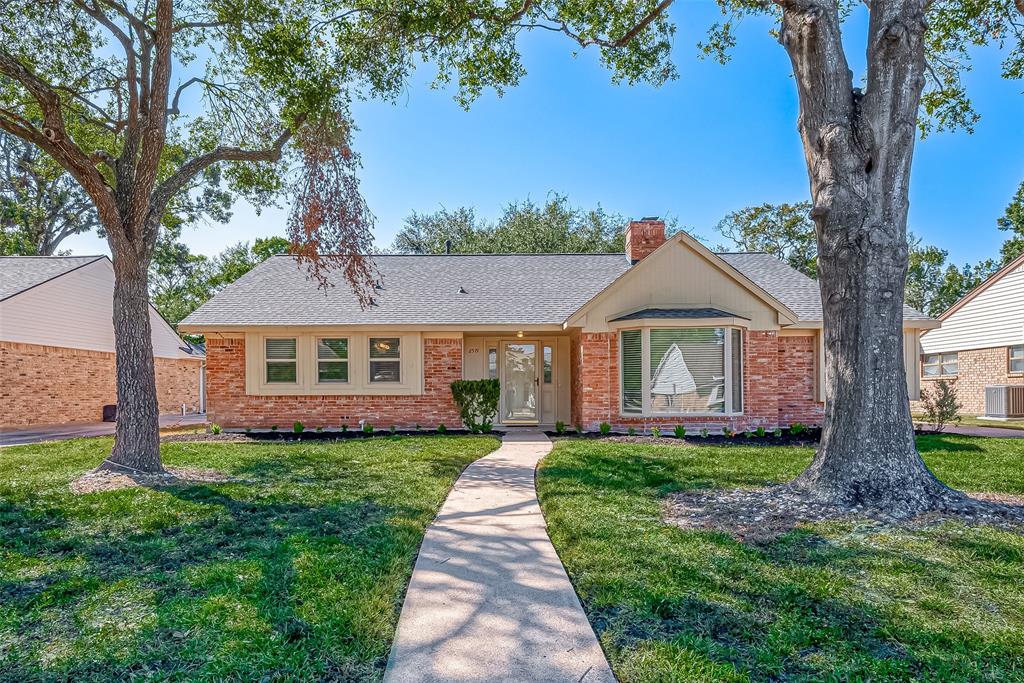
(832,602)
(295,571)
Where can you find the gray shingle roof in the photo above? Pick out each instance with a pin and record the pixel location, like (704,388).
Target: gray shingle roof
(794,289)
(524,289)
(676,314)
(18,273)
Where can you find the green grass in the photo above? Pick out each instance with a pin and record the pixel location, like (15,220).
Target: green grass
(294,573)
(829,602)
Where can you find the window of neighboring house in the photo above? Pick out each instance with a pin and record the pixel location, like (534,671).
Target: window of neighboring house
(1017,358)
(281,361)
(939,364)
(332,360)
(682,370)
(385,359)
(548,375)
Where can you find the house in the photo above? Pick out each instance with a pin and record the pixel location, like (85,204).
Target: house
(57,344)
(668,333)
(981,341)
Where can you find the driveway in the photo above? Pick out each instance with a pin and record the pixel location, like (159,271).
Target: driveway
(978,430)
(16,437)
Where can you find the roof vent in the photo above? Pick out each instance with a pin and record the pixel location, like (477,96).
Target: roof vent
(462,290)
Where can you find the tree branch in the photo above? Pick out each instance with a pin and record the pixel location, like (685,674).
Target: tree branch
(608,43)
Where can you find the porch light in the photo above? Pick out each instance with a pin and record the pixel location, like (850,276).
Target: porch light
(519,334)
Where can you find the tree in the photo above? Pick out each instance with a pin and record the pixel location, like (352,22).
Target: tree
(108,90)
(1013,221)
(525,227)
(933,285)
(785,231)
(40,204)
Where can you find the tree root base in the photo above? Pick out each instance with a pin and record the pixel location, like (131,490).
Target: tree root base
(762,515)
(100,480)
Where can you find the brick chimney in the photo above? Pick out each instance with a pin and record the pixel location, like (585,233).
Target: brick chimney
(643,237)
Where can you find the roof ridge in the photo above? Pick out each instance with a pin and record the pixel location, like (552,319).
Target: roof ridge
(504,253)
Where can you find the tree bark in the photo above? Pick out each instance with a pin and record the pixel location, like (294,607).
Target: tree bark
(859,148)
(137,434)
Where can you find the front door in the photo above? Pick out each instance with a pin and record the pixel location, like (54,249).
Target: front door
(519,383)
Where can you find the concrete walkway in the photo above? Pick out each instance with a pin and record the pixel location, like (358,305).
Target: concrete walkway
(41,433)
(489,599)
(978,430)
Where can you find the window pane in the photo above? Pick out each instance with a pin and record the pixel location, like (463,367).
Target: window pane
(737,371)
(1017,358)
(385,371)
(332,371)
(1017,365)
(632,364)
(949,364)
(492,363)
(280,349)
(687,370)
(547,365)
(384,347)
(281,372)
(332,349)
(931,370)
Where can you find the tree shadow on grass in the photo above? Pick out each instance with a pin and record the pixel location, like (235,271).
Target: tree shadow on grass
(930,443)
(207,571)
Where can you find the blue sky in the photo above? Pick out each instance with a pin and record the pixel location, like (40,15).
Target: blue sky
(717,139)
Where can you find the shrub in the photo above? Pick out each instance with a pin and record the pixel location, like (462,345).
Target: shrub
(477,400)
(319,430)
(704,432)
(298,427)
(656,432)
(726,432)
(941,405)
(797,428)
(759,431)
(579,428)
(367,428)
(559,427)
(344,428)
(777,432)
(605,429)
(248,430)
(679,431)
(417,427)
(631,431)
(441,429)
(393,430)
(273,428)
(215,428)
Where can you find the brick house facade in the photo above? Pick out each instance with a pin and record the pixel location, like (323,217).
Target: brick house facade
(977,369)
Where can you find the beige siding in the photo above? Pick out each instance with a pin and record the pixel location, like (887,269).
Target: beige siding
(995,317)
(676,276)
(76,311)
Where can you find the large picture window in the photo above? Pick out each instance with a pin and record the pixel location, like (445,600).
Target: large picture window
(682,371)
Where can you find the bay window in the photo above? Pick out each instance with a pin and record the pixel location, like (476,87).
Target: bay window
(681,371)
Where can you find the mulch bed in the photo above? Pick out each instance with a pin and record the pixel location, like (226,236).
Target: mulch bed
(309,435)
(762,515)
(103,480)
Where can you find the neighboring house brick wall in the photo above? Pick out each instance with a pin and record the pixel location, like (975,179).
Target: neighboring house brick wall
(769,363)
(229,406)
(56,385)
(976,369)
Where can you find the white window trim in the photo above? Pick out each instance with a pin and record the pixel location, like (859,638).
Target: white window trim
(1010,358)
(280,361)
(370,360)
(317,360)
(645,376)
(939,363)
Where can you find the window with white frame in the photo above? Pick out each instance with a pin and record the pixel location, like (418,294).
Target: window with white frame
(939,364)
(681,371)
(332,360)
(281,361)
(385,360)
(1017,359)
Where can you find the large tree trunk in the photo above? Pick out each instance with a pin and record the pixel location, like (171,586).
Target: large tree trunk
(137,436)
(859,148)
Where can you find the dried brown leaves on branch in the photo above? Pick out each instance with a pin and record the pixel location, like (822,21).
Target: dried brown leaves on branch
(330,226)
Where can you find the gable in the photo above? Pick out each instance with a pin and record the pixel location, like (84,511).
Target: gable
(990,316)
(76,310)
(683,274)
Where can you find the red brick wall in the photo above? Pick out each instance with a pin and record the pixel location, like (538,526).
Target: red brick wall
(772,396)
(797,377)
(55,385)
(228,405)
(976,369)
(643,237)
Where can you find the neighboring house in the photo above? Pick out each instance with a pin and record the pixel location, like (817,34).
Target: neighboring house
(669,333)
(981,341)
(57,344)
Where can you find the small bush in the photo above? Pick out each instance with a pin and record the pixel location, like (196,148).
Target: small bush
(367,428)
(797,428)
(417,427)
(248,430)
(477,400)
(298,427)
(441,429)
(344,428)
(215,428)
(941,405)
(605,429)
(273,428)
(319,430)
(579,428)
(656,432)
(704,433)
(393,430)
(679,431)
(759,431)
(726,432)
(777,432)
(559,427)
(631,431)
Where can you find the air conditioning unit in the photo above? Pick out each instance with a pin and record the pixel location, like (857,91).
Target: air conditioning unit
(1004,400)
